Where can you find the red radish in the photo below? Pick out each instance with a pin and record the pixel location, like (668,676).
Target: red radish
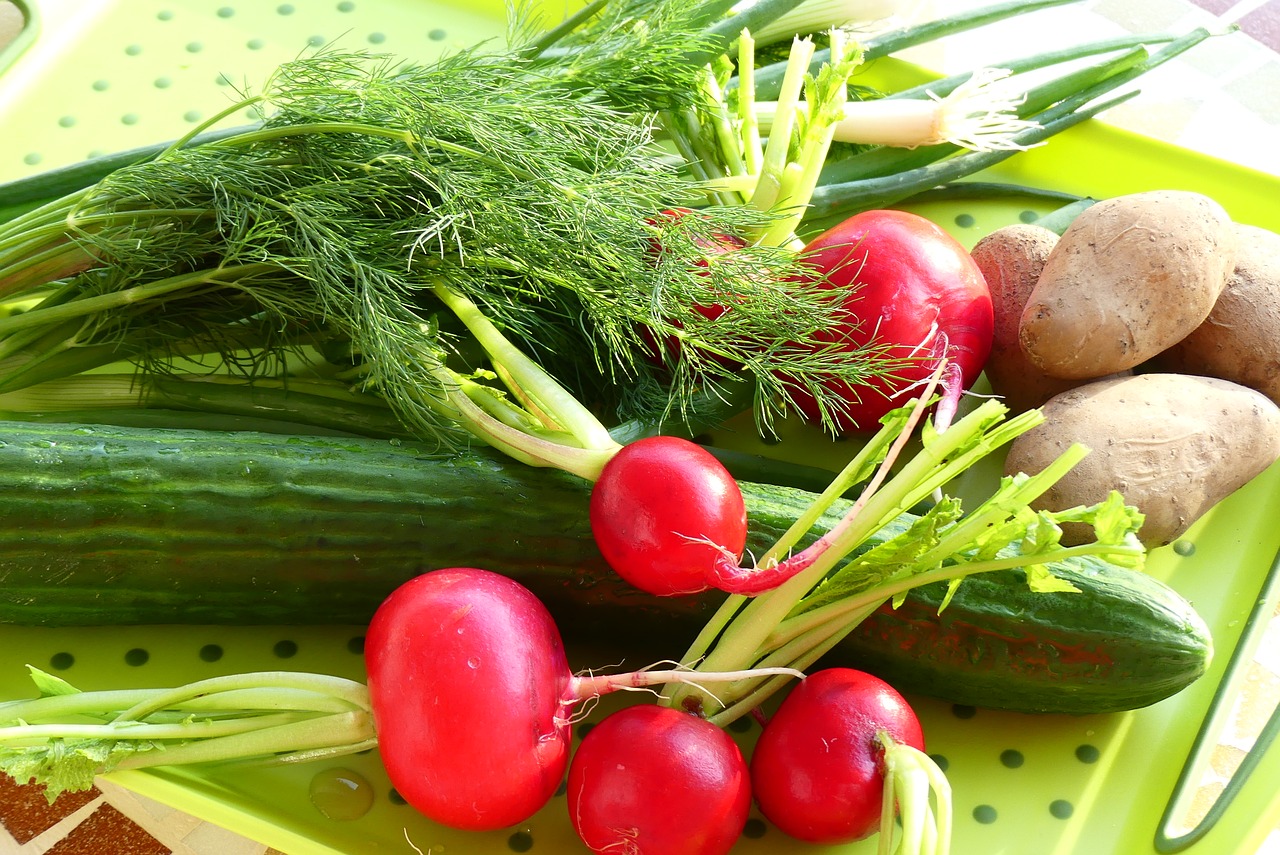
(472,696)
(820,766)
(666,515)
(655,780)
(913,288)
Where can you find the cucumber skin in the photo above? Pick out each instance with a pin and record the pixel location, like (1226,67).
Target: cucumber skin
(106,525)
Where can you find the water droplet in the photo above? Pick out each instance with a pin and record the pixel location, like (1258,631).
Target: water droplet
(341,794)
(473,663)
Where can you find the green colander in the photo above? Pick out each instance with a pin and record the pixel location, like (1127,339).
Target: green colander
(107,75)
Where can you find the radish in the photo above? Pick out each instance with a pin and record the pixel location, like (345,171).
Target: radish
(665,513)
(472,696)
(471,693)
(913,289)
(656,780)
(841,749)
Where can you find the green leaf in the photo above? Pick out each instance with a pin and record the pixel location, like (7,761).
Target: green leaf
(1041,580)
(48,685)
(65,766)
(952,587)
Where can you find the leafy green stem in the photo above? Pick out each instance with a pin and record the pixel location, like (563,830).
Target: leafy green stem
(776,153)
(337,734)
(255,717)
(793,624)
(36,733)
(83,307)
(742,626)
(534,382)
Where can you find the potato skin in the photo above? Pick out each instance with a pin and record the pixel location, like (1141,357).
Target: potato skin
(1240,340)
(1173,445)
(1011,259)
(1130,277)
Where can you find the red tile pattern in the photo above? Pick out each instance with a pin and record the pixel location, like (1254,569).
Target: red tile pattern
(26,815)
(25,812)
(1215,7)
(1263,24)
(107,830)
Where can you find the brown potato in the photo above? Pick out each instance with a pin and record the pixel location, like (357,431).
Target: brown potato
(1129,278)
(1240,340)
(1173,445)
(1011,259)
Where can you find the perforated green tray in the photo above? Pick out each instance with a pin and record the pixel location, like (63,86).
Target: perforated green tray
(104,76)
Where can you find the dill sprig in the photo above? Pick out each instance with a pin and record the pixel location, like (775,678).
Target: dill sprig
(373,183)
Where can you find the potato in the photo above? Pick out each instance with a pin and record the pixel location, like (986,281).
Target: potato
(1240,340)
(1173,445)
(1130,277)
(1011,259)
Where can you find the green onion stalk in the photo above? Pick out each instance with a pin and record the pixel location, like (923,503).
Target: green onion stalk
(891,147)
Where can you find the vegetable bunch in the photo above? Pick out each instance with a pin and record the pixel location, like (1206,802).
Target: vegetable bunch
(470,694)
(522,248)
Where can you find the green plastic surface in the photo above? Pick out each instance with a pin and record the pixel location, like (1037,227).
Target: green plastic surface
(125,74)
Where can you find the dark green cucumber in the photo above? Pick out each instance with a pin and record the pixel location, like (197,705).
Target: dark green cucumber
(114,525)
(1124,641)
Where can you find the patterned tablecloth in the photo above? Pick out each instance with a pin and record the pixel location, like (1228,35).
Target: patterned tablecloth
(1221,99)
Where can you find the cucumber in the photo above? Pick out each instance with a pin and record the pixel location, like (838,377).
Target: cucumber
(114,525)
(1125,641)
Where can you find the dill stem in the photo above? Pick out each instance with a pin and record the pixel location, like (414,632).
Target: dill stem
(275,132)
(54,211)
(318,406)
(518,443)
(73,222)
(550,397)
(564,28)
(53,262)
(203,127)
(78,308)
